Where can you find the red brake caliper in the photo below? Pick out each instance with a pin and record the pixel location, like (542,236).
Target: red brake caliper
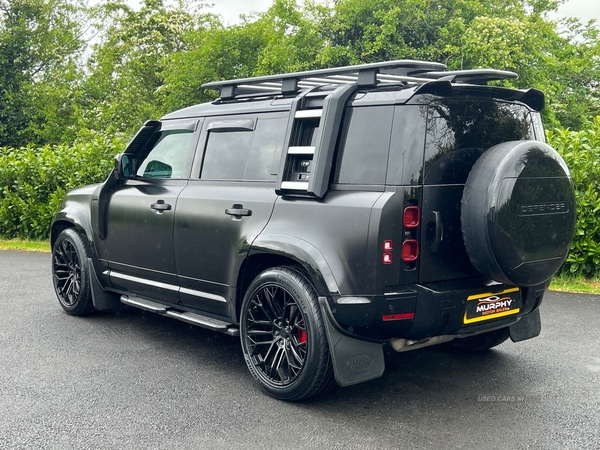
(301,334)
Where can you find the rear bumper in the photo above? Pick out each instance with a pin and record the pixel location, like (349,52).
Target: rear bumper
(424,310)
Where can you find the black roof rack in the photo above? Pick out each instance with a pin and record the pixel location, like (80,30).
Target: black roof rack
(365,75)
(362,74)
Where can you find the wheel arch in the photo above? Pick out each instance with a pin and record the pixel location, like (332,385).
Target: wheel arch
(71,218)
(280,250)
(102,299)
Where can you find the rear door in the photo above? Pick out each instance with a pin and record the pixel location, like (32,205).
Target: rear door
(226,204)
(458,132)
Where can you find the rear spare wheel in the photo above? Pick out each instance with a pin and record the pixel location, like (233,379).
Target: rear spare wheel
(518,213)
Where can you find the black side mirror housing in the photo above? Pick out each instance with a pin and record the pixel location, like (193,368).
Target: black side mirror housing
(123,167)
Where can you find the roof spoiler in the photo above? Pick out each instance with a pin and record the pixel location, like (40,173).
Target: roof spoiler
(533,98)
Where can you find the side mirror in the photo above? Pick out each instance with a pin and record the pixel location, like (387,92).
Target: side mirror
(123,167)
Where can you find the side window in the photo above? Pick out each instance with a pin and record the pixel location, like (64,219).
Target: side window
(167,156)
(364,145)
(249,155)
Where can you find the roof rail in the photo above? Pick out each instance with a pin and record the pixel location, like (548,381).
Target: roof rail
(364,75)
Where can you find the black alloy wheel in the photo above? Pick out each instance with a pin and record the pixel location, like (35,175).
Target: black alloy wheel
(283,335)
(70,273)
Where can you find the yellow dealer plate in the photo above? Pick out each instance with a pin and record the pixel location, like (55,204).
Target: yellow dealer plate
(492,305)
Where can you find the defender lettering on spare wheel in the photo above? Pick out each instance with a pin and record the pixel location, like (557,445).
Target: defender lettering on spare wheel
(321,215)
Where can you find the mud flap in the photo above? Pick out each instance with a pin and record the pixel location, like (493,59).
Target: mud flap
(529,326)
(354,360)
(101,299)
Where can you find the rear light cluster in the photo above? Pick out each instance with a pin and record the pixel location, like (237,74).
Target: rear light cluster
(410,246)
(388,246)
(410,250)
(411,217)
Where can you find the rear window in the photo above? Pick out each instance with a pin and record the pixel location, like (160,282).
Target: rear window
(459,131)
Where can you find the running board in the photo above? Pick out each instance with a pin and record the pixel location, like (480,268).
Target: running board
(146,305)
(187,317)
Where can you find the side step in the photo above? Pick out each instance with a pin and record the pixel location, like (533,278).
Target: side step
(146,305)
(187,317)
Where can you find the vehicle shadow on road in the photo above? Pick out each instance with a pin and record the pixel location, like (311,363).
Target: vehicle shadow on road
(424,377)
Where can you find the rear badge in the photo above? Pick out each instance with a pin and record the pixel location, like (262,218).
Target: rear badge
(488,306)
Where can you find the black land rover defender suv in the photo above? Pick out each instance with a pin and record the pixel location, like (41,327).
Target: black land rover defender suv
(324,214)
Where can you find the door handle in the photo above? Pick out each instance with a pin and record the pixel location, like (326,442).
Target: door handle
(160,206)
(238,210)
(438,231)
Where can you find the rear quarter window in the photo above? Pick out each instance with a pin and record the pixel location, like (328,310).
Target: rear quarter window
(364,146)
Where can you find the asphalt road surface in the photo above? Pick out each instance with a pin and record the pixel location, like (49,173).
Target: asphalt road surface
(135,380)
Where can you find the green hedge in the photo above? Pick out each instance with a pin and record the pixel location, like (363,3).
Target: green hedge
(33,181)
(581,151)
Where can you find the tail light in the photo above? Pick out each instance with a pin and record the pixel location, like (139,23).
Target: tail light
(410,250)
(410,246)
(411,217)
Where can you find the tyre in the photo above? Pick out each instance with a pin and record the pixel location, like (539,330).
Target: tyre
(70,273)
(479,342)
(518,213)
(283,335)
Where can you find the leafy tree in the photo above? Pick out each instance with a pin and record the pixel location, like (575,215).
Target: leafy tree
(145,62)
(565,68)
(127,64)
(39,41)
(283,39)
(562,59)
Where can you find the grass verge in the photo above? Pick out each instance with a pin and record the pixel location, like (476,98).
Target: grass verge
(22,244)
(570,284)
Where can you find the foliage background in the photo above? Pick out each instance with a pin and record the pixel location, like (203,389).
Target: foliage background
(76,81)
(35,179)
(581,151)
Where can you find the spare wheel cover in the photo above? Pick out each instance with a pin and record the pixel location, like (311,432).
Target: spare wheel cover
(518,213)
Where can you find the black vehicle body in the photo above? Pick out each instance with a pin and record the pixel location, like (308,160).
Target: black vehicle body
(365,204)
